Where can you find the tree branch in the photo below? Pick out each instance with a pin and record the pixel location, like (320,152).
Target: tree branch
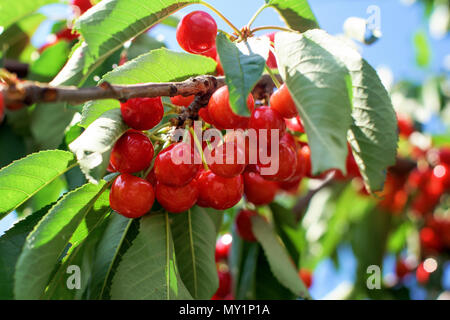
(28,93)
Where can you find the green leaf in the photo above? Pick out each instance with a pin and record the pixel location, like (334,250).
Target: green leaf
(160,65)
(81,253)
(318,83)
(111,23)
(107,252)
(141,45)
(11,144)
(148,269)
(93,147)
(24,178)
(48,241)
(50,62)
(48,123)
(373,134)
(194,237)
(11,244)
(282,267)
(243,66)
(13,11)
(21,31)
(296,13)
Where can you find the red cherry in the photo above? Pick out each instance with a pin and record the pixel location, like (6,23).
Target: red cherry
(258,190)
(430,240)
(223,246)
(131,196)
(226,160)
(290,186)
(401,269)
(220,111)
(282,102)
(67,34)
(306,277)
(133,152)
(218,192)
(444,155)
(177,199)
(142,113)
(405,125)
(306,153)
(151,177)
(182,101)
(285,160)
(176,165)
(84,5)
(244,225)
(269,119)
(271,60)
(212,53)
(204,114)
(224,284)
(196,33)
(422,275)
(295,124)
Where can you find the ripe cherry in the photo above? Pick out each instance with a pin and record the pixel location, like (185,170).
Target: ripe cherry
(177,199)
(67,34)
(84,5)
(131,196)
(221,113)
(286,162)
(444,155)
(182,101)
(295,124)
(306,277)
(405,125)
(226,160)
(306,153)
(218,192)
(223,246)
(176,165)
(258,190)
(269,119)
(196,33)
(133,152)
(271,60)
(224,284)
(430,240)
(422,275)
(142,113)
(244,225)
(401,269)
(282,102)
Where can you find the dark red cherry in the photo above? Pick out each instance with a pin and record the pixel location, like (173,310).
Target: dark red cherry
(131,196)
(177,165)
(405,125)
(221,113)
(133,152)
(196,32)
(224,284)
(142,113)
(223,246)
(182,101)
(244,225)
(218,192)
(401,269)
(83,5)
(270,120)
(177,199)
(285,160)
(282,102)
(258,190)
(226,160)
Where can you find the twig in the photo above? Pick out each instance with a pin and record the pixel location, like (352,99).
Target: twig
(29,93)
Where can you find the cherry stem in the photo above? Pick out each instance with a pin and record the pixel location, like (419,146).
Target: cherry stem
(159,127)
(249,24)
(221,16)
(170,105)
(272,76)
(199,146)
(272,28)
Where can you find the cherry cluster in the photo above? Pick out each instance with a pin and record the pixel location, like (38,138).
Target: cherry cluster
(223,246)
